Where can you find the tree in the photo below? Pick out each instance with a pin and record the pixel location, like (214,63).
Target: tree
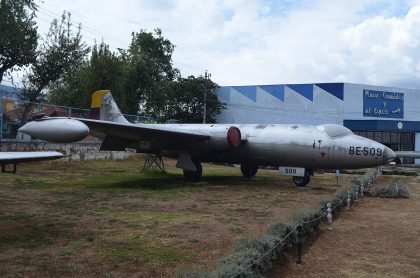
(150,68)
(104,70)
(18,34)
(141,79)
(187,99)
(61,53)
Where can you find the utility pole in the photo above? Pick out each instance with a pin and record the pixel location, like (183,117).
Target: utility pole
(206,77)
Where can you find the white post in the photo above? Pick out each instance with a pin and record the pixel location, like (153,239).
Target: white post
(348,200)
(362,188)
(329,215)
(356,193)
(337,175)
(417,146)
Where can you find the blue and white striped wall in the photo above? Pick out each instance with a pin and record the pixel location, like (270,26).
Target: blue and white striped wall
(290,103)
(316,103)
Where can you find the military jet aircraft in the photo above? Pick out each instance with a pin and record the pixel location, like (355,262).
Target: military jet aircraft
(14,158)
(297,149)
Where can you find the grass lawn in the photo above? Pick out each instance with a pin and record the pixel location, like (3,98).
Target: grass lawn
(96,218)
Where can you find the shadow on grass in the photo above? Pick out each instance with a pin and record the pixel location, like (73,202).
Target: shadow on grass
(169,181)
(148,180)
(31,234)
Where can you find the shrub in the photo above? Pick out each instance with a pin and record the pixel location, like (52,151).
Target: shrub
(252,257)
(392,191)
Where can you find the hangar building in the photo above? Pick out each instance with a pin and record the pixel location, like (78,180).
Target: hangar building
(386,114)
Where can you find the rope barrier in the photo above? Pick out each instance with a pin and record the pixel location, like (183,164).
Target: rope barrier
(265,254)
(313,220)
(294,229)
(281,241)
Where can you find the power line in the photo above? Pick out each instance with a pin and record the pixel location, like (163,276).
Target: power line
(85,27)
(83,30)
(103,35)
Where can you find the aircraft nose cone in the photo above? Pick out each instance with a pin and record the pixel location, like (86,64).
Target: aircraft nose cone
(388,156)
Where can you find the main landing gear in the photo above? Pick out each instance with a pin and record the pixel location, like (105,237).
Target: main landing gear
(249,170)
(194,176)
(303,181)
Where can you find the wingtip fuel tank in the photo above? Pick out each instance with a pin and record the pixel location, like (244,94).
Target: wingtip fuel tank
(57,130)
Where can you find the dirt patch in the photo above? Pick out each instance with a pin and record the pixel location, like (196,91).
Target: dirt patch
(378,238)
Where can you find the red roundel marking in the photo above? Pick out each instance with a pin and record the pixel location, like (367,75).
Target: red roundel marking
(234,136)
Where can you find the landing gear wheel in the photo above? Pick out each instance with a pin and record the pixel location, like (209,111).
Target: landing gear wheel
(301,181)
(192,176)
(249,170)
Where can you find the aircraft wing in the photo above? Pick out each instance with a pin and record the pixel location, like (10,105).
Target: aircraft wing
(117,135)
(18,157)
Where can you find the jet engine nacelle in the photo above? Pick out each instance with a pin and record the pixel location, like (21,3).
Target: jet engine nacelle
(58,130)
(223,137)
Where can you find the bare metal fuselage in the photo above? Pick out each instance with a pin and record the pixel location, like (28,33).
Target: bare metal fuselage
(326,146)
(309,147)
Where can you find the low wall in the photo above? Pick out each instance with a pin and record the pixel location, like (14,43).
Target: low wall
(73,151)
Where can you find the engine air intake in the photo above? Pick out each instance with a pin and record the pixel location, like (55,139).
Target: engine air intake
(234,136)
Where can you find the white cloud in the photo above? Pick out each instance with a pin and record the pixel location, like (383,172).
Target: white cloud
(263,41)
(385,50)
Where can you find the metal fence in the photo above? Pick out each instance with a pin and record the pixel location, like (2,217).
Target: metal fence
(14,114)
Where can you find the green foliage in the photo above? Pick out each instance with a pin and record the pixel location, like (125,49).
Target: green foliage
(62,52)
(250,257)
(142,80)
(186,100)
(241,260)
(392,191)
(18,39)
(149,57)
(104,70)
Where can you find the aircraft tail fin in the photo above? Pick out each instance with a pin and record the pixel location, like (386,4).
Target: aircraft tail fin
(105,108)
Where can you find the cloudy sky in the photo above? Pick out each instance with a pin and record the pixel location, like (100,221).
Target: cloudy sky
(244,42)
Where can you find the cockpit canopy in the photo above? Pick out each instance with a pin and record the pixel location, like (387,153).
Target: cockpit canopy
(333,130)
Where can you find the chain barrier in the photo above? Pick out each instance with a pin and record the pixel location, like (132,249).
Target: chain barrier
(375,175)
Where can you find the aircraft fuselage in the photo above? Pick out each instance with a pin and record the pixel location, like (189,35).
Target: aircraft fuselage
(288,145)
